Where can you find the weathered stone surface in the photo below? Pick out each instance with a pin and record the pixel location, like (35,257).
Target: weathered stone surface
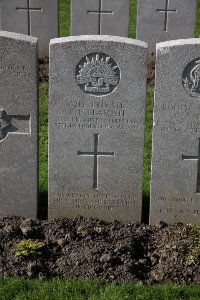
(96,127)
(100,17)
(18,125)
(38,18)
(163,20)
(175,184)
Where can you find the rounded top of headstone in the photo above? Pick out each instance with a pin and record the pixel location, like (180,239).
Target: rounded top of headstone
(175,43)
(103,38)
(19,37)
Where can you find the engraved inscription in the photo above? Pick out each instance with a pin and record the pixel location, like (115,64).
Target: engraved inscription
(102,114)
(183,205)
(97,74)
(87,201)
(13,124)
(95,154)
(170,210)
(181,118)
(28,10)
(166,11)
(13,70)
(191,78)
(100,12)
(177,200)
(197,158)
(9,63)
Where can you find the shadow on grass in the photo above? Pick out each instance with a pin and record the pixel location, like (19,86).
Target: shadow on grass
(43,206)
(145,208)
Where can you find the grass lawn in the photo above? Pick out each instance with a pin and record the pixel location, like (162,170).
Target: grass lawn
(79,290)
(14,289)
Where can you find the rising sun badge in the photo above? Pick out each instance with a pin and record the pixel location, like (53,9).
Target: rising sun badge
(97,74)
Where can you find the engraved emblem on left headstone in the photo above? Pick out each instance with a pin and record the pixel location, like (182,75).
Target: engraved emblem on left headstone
(4,123)
(191,78)
(17,124)
(97,74)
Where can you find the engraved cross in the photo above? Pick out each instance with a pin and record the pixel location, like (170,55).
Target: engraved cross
(166,11)
(197,158)
(95,154)
(28,9)
(14,124)
(100,12)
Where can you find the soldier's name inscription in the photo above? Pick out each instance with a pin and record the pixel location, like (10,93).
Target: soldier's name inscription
(97,115)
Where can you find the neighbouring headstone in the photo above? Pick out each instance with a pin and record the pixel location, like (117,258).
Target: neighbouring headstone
(18,125)
(100,17)
(96,127)
(175,184)
(163,20)
(38,18)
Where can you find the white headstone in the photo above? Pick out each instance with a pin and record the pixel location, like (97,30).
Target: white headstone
(18,125)
(38,18)
(96,127)
(175,184)
(164,20)
(100,17)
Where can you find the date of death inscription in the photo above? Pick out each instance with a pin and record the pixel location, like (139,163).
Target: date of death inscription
(9,67)
(177,118)
(97,115)
(177,205)
(94,201)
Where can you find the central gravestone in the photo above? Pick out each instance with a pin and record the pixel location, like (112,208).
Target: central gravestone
(96,127)
(100,17)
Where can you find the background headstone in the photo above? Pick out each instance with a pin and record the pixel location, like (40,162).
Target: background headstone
(163,20)
(96,127)
(18,125)
(175,184)
(100,17)
(38,18)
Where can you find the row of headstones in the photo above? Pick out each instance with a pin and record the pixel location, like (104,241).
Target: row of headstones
(157,20)
(96,128)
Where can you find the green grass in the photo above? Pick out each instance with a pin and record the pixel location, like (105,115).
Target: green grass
(64,18)
(197,27)
(43,137)
(132,19)
(15,289)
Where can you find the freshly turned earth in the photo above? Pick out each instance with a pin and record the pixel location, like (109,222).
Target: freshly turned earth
(92,249)
(44,69)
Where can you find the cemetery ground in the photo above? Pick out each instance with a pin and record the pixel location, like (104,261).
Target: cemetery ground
(93,249)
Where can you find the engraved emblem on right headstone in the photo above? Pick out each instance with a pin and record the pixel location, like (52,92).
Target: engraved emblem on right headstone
(191,78)
(97,74)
